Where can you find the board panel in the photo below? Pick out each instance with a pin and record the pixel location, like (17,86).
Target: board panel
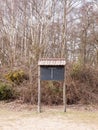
(52,72)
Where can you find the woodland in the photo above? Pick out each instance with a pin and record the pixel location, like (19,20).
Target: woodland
(34,29)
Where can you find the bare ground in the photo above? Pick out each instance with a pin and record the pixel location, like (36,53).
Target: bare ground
(16,116)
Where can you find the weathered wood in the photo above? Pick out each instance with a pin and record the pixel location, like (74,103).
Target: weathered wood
(64,92)
(39,91)
(52,61)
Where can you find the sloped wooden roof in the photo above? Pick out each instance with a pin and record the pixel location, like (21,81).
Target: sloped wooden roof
(52,61)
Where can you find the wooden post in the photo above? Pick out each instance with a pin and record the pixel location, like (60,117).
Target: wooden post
(39,90)
(64,93)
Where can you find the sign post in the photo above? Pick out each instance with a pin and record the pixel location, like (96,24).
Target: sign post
(64,94)
(39,91)
(51,69)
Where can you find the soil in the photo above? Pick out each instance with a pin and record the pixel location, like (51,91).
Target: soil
(20,116)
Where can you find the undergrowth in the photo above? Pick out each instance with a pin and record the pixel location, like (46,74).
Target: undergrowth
(81,86)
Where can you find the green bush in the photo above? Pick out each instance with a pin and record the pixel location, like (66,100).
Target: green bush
(6,92)
(16,77)
(76,70)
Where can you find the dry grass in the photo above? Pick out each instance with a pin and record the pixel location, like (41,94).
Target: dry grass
(27,118)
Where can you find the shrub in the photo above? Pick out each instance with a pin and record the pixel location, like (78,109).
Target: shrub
(52,92)
(6,92)
(82,84)
(16,77)
(76,70)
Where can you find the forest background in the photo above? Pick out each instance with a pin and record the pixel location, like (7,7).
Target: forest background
(34,29)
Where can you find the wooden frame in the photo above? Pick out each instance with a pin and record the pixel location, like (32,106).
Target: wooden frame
(56,62)
(39,91)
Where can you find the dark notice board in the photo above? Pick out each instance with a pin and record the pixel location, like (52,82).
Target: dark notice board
(52,72)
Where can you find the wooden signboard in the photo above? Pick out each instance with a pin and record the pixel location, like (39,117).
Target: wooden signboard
(51,69)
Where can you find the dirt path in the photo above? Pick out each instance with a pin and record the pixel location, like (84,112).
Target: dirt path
(50,119)
(45,124)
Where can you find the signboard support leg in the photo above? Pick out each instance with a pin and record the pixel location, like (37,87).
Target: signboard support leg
(64,95)
(39,91)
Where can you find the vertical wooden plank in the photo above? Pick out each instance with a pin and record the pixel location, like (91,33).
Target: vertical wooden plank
(64,91)
(39,90)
